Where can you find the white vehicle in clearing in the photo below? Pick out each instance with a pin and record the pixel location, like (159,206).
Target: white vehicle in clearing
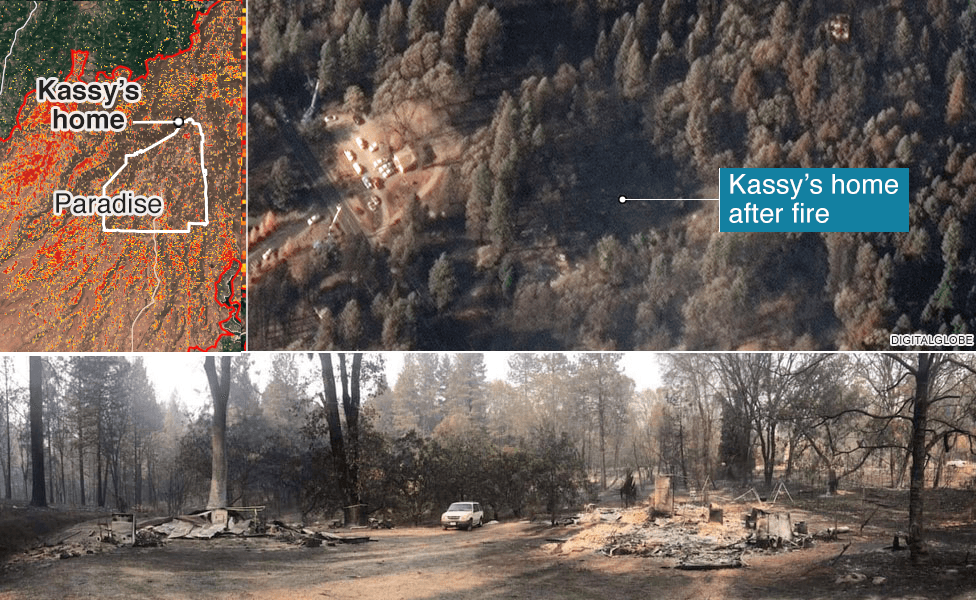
(463,514)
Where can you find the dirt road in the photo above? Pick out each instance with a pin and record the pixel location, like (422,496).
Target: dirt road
(510,560)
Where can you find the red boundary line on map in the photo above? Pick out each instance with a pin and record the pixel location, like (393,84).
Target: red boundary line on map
(234,307)
(196,31)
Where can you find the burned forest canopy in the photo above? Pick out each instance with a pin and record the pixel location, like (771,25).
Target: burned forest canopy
(560,108)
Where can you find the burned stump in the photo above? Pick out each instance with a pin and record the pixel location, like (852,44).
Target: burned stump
(663,500)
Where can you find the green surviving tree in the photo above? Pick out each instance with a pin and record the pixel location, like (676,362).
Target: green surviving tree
(558,471)
(441,282)
(500,222)
(479,201)
(351,324)
(282,183)
(484,39)
(329,73)
(606,393)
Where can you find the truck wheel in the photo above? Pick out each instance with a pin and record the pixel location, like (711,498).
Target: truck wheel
(470,524)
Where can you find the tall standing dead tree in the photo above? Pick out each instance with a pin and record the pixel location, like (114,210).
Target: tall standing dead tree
(38,497)
(7,401)
(345,457)
(922,373)
(940,379)
(219,391)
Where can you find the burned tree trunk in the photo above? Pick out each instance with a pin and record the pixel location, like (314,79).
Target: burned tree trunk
(918,451)
(833,481)
(219,391)
(38,496)
(345,461)
(81,457)
(331,406)
(350,408)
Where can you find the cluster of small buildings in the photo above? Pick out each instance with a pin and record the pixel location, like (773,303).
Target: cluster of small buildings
(402,161)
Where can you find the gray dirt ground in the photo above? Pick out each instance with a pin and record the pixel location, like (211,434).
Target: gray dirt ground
(509,560)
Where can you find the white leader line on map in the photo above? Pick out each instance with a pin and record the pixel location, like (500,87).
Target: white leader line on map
(625,199)
(203,169)
(4,77)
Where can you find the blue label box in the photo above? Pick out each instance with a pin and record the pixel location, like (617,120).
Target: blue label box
(814,200)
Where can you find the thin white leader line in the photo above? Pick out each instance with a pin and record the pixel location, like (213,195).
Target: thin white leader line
(132,330)
(624,199)
(203,169)
(4,77)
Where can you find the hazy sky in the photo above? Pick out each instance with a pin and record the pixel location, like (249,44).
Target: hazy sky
(183,373)
(642,367)
(180,372)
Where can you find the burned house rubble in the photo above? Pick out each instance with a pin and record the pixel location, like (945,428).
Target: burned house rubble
(695,536)
(246,522)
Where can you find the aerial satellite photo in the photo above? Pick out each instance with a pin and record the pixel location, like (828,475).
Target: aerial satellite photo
(448,174)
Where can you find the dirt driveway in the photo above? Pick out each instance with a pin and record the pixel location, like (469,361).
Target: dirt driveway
(508,560)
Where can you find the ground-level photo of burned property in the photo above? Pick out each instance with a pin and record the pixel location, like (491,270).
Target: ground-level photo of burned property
(446,174)
(489,476)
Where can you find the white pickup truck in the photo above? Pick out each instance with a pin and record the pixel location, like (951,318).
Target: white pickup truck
(463,514)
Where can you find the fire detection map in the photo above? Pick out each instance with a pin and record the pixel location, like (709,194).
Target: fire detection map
(122,153)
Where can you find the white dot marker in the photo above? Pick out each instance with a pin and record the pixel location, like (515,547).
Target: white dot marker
(622,199)
(178,121)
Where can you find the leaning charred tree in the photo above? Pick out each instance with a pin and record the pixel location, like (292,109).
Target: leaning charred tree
(38,497)
(219,391)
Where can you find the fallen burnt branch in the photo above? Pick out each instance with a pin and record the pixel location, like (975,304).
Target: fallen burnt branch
(842,551)
(707,561)
(309,537)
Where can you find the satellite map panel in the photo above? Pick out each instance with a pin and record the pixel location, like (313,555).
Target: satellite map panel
(122,176)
